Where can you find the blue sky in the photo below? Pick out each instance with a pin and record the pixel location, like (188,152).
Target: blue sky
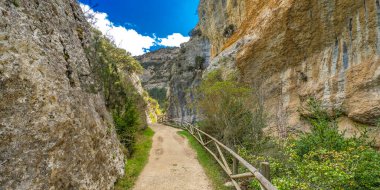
(144,25)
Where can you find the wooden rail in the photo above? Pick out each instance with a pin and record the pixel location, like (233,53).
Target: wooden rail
(207,141)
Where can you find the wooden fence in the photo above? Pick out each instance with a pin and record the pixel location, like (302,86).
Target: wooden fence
(210,144)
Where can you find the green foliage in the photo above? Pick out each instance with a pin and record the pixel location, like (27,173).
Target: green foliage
(211,167)
(126,123)
(109,64)
(153,108)
(118,57)
(159,94)
(137,161)
(231,114)
(199,61)
(321,159)
(229,31)
(16,3)
(324,131)
(324,159)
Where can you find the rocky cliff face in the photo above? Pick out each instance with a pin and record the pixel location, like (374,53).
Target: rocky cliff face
(179,71)
(55,132)
(157,66)
(293,50)
(186,74)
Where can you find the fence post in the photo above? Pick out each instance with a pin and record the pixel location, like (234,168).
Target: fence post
(235,166)
(265,171)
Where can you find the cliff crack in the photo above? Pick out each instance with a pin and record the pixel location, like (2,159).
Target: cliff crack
(69,70)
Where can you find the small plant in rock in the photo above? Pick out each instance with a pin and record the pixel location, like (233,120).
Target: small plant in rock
(229,31)
(16,3)
(199,61)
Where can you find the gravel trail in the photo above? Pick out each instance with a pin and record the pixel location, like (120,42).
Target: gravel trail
(172,164)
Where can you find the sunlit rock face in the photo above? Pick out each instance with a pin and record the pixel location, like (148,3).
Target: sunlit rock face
(292,50)
(55,131)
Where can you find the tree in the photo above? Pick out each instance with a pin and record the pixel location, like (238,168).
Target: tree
(230,112)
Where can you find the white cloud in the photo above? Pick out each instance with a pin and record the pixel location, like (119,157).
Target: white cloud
(174,40)
(129,39)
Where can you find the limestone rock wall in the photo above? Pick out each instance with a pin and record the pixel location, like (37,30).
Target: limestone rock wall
(186,74)
(177,70)
(292,50)
(157,66)
(55,131)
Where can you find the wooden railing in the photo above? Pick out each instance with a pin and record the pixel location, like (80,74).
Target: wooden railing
(210,144)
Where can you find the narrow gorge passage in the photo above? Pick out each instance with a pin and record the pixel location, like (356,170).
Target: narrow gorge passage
(172,164)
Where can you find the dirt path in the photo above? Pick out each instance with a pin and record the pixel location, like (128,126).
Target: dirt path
(172,164)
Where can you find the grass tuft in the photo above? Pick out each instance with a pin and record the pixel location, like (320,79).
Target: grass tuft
(211,167)
(138,160)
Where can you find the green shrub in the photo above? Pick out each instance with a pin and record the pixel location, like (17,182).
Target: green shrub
(231,114)
(324,159)
(199,61)
(126,123)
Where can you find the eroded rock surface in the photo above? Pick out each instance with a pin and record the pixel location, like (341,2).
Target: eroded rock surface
(293,50)
(55,131)
(179,71)
(157,66)
(186,74)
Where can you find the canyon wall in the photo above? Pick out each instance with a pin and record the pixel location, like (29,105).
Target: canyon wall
(293,50)
(178,71)
(186,74)
(55,131)
(157,66)
(289,51)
